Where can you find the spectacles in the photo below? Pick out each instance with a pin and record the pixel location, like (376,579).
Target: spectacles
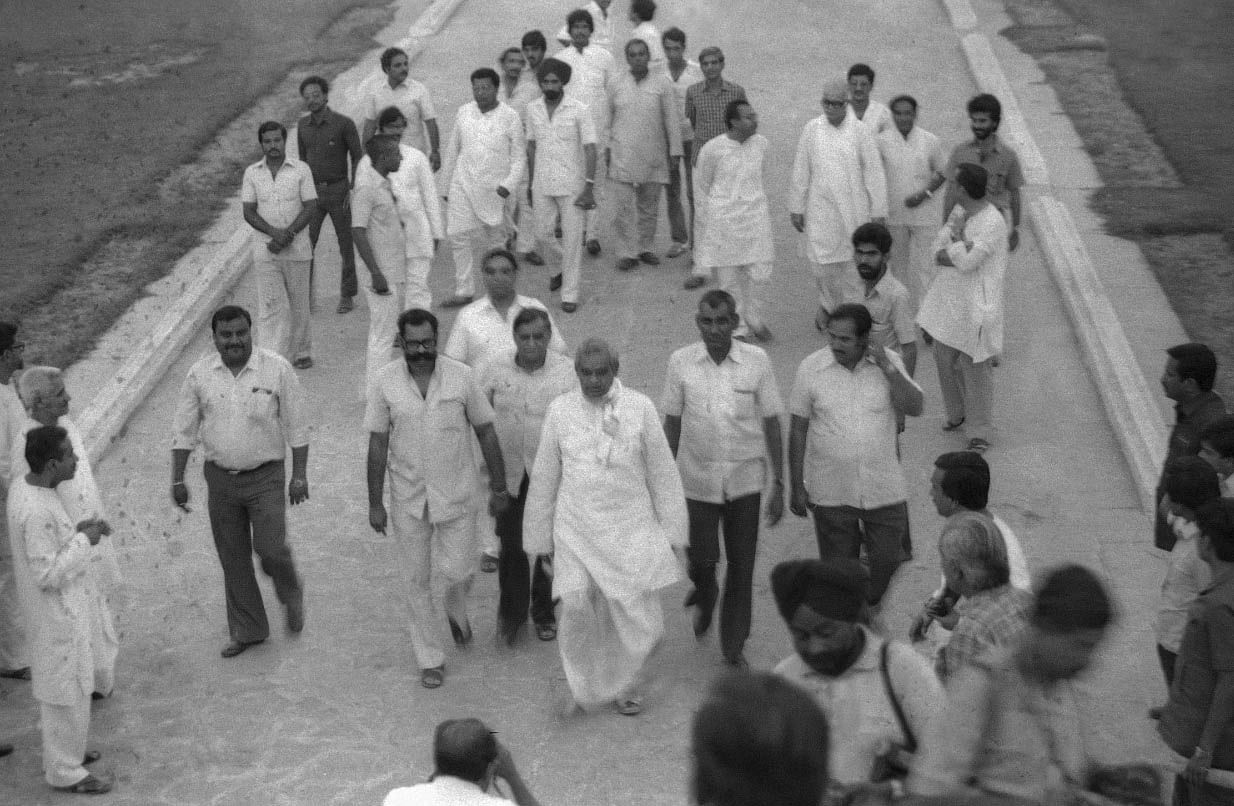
(833,103)
(424,344)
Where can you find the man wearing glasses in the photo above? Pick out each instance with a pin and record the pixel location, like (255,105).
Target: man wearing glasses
(14,646)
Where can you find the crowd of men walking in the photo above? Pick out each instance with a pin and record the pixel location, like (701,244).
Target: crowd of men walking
(507,451)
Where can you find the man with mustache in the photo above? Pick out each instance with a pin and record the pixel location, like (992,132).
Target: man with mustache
(1001,164)
(412,99)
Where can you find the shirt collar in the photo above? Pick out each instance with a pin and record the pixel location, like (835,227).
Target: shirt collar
(735,353)
(879,286)
(995,143)
(867,661)
(321,117)
(217,364)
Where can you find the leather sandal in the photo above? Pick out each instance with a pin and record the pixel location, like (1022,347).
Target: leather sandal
(546,632)
(16,674)
(630,706)
(956,426)
(90,785)
(237,647)
(433,678)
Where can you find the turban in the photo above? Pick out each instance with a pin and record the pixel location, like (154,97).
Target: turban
(836,588)
(555,66)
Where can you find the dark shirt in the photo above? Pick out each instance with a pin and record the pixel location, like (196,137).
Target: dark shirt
(325,139)
(1206,652)
(1190,419)
(1002,166)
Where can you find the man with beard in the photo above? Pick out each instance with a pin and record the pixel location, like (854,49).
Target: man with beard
(246,407)
(412,99)
(1002,166)
(884,296)
(14,644)
(419,412)
(875,693)
(534,47)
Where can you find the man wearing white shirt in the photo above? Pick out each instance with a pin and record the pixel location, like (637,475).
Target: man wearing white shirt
(278,197)
(412,99)
(837,185)
(914,162)
(682,73)
(518,89)
(874,115)
(963,308)
(642,12)
(486,158)
(561,164)
(734,222)
(842,460)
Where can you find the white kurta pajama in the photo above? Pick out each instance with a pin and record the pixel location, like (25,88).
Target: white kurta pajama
(837,184)
(910,164)
(592,69)
(606,498)
(51,560)
(485,151)
(14,642)
(733,222)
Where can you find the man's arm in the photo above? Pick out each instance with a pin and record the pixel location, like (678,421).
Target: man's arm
(799,183)
(375,472)
(875,177)
(798,430)
(179,489)
(254,220)
(773,435)
(54,563)
(672,431)
(297,488)
(490,447)
(368,129)
(434,144)
(531,167)
(352,138)
(906,396)
(517,149)
(672,120)
(506,771)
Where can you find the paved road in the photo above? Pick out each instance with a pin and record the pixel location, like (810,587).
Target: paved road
(337,715)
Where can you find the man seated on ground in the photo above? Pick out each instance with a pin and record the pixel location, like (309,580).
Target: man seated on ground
(467,759)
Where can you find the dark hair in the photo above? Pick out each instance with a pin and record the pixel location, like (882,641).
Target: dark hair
(674,34)
(1195,362)
(44,443)
(388,115)
(636,41)
(973,178)
(717,297)
(534,39)
(732,111)
(987,103)
(463,748)
(1220,434)
(485,73)
(529,315)
(875,233)
(860,69)
(319,81)
(379,144)
(580,15)
(501,252)
(711,50)
(966,478)
(269,126)
(229,313)
(856,313)
(416,317)
(387,56)
(908,99)
(1215,520)
(643,9)
(1070,599)
(8,335)
(758,740)
(1191,481)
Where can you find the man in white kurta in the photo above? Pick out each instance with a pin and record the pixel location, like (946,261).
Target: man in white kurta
(518,89)
(486,159)
(606,499)
(837,184)
(963,308)
(733,224)
(51,560)
(14,643)
(875,116)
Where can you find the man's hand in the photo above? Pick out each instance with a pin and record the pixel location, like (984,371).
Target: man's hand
(502,192)
(942,258)
(1013,240)
(587,199)
(180,495)
(878,354)
(434,161)
(498,500)
(380,285)
(436,245)
(297,491)
(921,625)
(798,221)
(377,518)
(1196,771)
(775,504)
(914,200)
(799,502)
(92,529)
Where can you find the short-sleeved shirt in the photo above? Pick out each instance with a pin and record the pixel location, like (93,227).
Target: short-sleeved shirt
(280,198)
(722,454)
(910,163)
(325,140)
(374,208)
(691,75)
(481,332)
(560,161)
(431,465)
(244,420)
(1001,164)
(987,619)
(891,308)
(443,790)
(705,109)
(412,99)
(851,444)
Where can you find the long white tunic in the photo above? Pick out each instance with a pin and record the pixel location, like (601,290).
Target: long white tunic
(415,191)
(732,220)
(838,184)
(605,494)
(485,150)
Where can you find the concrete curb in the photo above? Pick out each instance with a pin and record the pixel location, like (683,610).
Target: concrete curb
(1129,402)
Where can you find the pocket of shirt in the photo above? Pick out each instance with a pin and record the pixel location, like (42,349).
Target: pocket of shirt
(745,404)
(448,414)
(262,404)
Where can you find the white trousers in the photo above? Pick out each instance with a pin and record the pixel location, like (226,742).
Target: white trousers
(444,551)
(605,643)
(469,246)
(968,390)
(911,261)
(636,209)
(383,311)
(749,285)
(569,254)
(65,730)
(522,220)
(283,306)
(836,282)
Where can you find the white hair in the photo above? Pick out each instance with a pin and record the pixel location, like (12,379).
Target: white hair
(597,346)
(36,384)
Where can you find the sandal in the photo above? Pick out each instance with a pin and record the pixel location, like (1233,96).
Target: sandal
(630,706)
(546,632)
(16,674)
(488,563)
(434,677)
(90,785)
(91,757)
(950,426)
(461,638)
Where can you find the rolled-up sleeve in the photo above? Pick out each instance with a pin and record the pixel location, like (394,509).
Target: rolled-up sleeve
(187,419)
(293,413)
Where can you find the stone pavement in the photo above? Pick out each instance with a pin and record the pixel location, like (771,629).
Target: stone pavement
(337,715)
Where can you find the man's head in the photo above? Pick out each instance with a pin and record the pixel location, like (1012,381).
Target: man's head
(717,319)
(984,115)
(50,454)
(1190,371)
(1189,483)
(417,335)
(871,246)
(1217,446)
(42,393)
(973,557)
(1215,520)
(484,84)
(232,330)
(642,11)
(499,270)
(272,136)
(580,26)
(961,480)
(848,332)
(638,56)
(553,75)
(534,47)
(823,604)
(391,120)
(860,82)
(464,748)
(741,119)
(758,739)
(971,179)
(674,43)
(835,100)
(596,365)
(512,62)
(396,65)
(11,350)
(314,90)
(711,62)
(1069,619)
(532,333)
(383,150)
(904,113)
